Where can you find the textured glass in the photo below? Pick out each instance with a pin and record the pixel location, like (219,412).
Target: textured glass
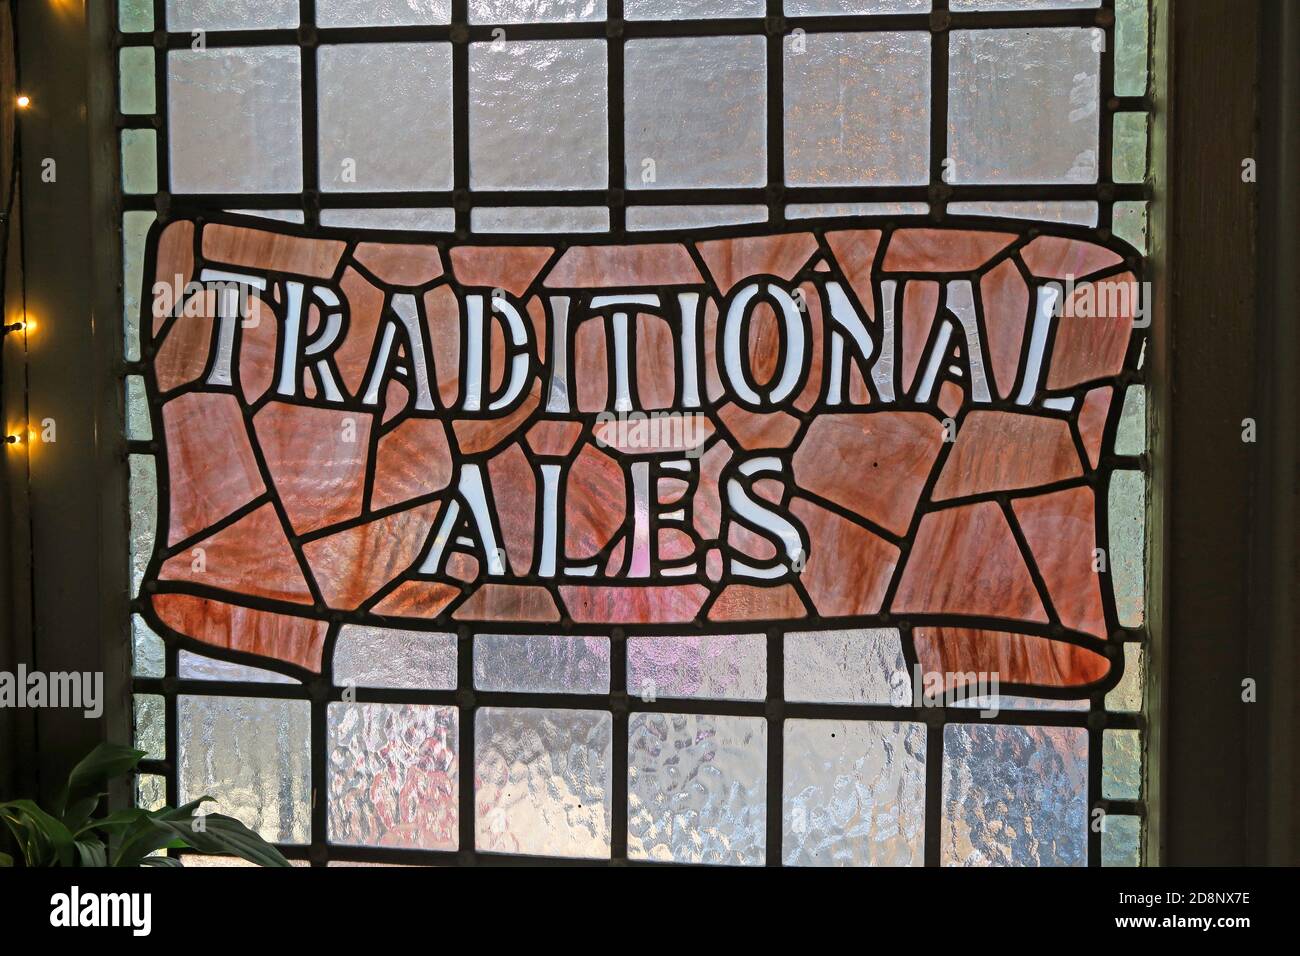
(150,722)
(857,109)
(235,120)
(381,13)
(279,215)
(646,218)
(854,793)
(1131,437)
(819,210)
(415,219)
(148,655)
(143,494)
(1130,47)
(1014,796)
(139,161)
(1129,163)
(198,667)
(137,410)
(1129,222)
(695,112)
(135,16)
(1014,702)
(535,11)
(1128,545)
(1121,765)
(847,667)
(691,9)
(150,791)
(541,664)
(542,781)
(1121,840)
(1081,212)
(1126,697)
(697,788)
(231,14)
(136,80)
(1022,105)
(538,219)
(707,666)
(386,657)
(965,6)
(254,756)
(538,115)
(135,227)
(385,116)
(394,775)
(818,8)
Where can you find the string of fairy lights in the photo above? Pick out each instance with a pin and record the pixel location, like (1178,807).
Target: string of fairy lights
(15,436)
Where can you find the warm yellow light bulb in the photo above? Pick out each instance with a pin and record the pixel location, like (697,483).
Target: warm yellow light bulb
(23,101)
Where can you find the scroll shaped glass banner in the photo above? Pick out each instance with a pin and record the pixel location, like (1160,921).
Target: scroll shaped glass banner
(859,424)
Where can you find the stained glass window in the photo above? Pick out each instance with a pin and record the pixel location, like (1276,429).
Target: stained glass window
(699,432)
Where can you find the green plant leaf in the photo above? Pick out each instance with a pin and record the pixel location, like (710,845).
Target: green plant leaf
(161,861)
(92,852)
(221,835)
(100,765)
(6,860)
(115,822)
(139,839)
(44,840)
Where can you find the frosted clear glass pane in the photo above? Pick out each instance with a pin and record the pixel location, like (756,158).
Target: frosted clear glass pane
(537,114)
(542,781)
(381,13)
(706,666)
(385,116)
(148,655)
(231,14)
(1129,156)
(150,791)
(643,218)
(535,11)
(847,667)
(143,492)
(965,6)
(853,793)
(1128,545)
(1129,222)
(1127,694)
(235,120)
(541,663)
(695,112)
(394,775)
(198,667)
(279,215)
(414,219)
(1121,840)
(1131,26)
(136,80)
(1013,702)
(1022,105)
(857,109)
(1083,213)
(139,161)
(697,787)
(1131,437)
(1121,765)
(137,410)
(818,8)
(1014,796)
(254,756)
(135,16)
(539,219)
(818,210)
(150,725)
(691,9)
(385,657)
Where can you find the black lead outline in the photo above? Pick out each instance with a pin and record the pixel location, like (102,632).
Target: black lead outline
(459,32)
